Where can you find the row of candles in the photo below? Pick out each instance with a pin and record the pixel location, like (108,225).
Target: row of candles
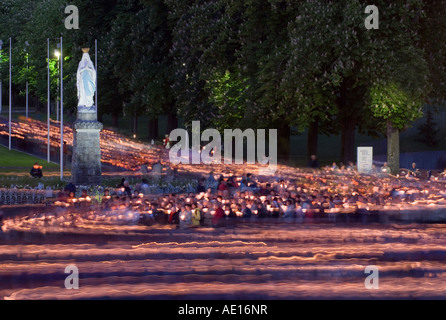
(116,149)
(140,204)
(205,201)
(130,154)
(141,199)
(127,153)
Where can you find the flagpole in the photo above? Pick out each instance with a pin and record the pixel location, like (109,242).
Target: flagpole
(1,78)
(61,108)
(48,104)
(96,66)
(10,89)
(27,79)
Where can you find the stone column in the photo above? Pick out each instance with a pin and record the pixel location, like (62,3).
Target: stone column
(86,164)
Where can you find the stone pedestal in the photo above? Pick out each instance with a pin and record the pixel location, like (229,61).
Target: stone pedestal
(86,164)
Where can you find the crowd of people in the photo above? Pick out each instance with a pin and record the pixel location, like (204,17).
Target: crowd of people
(229,199)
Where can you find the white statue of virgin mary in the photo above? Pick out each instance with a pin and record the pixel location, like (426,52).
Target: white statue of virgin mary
(86,81)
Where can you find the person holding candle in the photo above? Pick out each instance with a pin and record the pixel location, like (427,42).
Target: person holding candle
(442,175)
(174,213)
(414,172)
(36,171)
(250,181)
(196,215)
(290,210)
(127,190)
(219,216)
(230,213)
(244,185)
(262,211)
(385,169)
(158,214)
(351,166)
(222,186)
(232,183)
(247,213)
(71,196)
(1,221)
(186,216)
(231,216)
(166,142)
(106,199)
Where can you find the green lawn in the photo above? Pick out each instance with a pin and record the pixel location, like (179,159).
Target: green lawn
(16,159)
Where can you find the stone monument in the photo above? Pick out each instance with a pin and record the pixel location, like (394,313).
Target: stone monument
(157,171)
(86,164)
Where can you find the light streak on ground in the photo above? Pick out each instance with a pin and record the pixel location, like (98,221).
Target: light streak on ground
(252,260)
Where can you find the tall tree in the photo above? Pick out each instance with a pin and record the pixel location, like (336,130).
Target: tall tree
(402,87)
(431,40)
(336,61)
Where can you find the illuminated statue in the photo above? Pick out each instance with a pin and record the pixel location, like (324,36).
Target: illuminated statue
(86,81)
(86,168)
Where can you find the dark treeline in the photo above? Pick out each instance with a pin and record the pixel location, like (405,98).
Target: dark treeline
(242,63)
